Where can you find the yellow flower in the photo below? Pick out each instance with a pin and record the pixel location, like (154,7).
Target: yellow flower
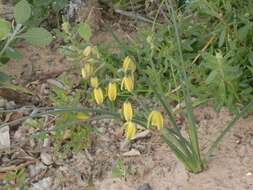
(112,91)
(127,111)
(87,70)
(130,130)
(127,83)
(98,94)
(94,82)
(155,118)
(82,116)
(87,51)
(128,64)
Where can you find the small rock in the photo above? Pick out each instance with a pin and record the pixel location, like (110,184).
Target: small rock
(42,184)
(10,105)
(132,152)
(124,146)
(36,169)
(2,103)
(46,158)
(251,141)
(142,135)
(4,137)
(46,142)
(249,174)
(145,186)
(20,133)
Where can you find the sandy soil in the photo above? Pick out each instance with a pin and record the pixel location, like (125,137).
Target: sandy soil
(230,169)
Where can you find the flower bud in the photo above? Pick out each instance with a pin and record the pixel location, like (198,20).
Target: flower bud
(127,111)
(94,82)
(98,94)
(112,91)
(127,83)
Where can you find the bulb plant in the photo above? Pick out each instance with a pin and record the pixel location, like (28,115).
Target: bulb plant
(186,148)
(119,87)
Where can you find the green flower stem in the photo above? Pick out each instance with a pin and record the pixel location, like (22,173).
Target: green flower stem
(11,38)
(72,109)
(185,87)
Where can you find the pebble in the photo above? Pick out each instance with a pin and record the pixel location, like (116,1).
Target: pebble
(249,174)
(36,169)
(46,142)
(4,137)
(251,141)
(46,158)
(145,186)
(142,135)
(10,105)
(42,184)
(2,103)
(132,152)
(124,146)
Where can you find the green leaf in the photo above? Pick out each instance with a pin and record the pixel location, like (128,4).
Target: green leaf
(85,31)
(5,28)
(222,38)
(244,31)
(59,5)
(22,11)
(13,54)
(4,77)
(211,77)
(38,36)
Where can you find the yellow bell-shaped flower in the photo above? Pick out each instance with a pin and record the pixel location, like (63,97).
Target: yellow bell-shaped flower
(87,70)
(98,94)
(94,82)
(155,118)
(112,91)
(130,130)
(128,64)
(82,116)
(127,83)
(127,111)
(87,51)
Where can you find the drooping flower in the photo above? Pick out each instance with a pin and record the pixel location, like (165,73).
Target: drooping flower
(87,70)
(87,51)
(155,118)
(127,111)
(127,83)
(128,64)
(82,116)
(130,130)
(112,91)
(94,82)
(98,94)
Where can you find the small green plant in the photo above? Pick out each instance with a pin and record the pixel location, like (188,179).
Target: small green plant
(19,30)
(48,12)
(71,133)
(16,180)
(119,169)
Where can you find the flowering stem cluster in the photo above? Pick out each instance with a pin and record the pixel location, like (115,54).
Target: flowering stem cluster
(127,83)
